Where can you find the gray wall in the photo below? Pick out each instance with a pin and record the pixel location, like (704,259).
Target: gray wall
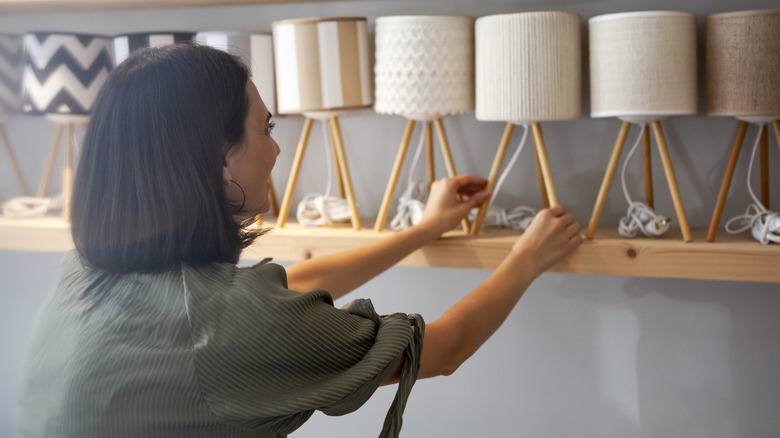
(585,356)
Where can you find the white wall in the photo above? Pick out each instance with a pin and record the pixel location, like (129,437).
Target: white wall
(585,356)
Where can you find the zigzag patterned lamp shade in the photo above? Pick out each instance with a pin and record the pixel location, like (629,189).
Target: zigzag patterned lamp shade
(257,52)
(64,72)
(528,67)
(322,64)
(424,66)
(11,68)
(126,44)
(643,64)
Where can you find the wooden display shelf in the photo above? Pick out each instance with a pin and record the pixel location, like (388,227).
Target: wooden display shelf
(736,258)
(50,6)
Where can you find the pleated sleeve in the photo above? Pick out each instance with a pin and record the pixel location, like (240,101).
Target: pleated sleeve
(267,357)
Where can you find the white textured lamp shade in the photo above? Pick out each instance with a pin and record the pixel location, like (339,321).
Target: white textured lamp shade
(124,45)
(11,68)
(257,52)
(322,64)
(63,73)
(528,67)
(743,64)
(643,65)
(424,66)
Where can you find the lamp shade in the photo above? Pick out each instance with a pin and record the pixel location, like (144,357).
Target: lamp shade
(63,73)
(424,66)
(11,68)
(643,65)
(126,44)
(256,51)
(528,67)
(322,64)
(743,63)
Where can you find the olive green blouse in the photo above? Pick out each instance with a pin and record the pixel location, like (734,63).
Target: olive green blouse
(207,351)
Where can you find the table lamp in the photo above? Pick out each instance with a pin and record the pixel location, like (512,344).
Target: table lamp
(742,65)
(528,70)
(126,44)
(11,68)
(322,71)
(424,71)
(256,51)
(642,70)
(63,74)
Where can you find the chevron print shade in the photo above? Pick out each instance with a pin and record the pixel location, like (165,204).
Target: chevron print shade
(643,64)
(528,67)
(11,69)
(63,73)
(124,45)
(256,51)
(322,64)
(424,66)
(743,63)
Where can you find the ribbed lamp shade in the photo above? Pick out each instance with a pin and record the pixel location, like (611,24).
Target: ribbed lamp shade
(424,66)
(643,64)
(63,73)
(528,67)
(124,45)
(322,64)
(11,68)
(743,63)
(257,52)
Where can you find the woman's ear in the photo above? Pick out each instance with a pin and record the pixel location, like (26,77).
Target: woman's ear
(226,177)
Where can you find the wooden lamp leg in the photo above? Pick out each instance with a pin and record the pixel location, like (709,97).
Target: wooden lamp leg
(648,164)
(614,159)
(536,129)
(12,159)
(384,208)
(341,158)
(67,174)
(672,180)
(53,149)
(494,170)
(429,154)
(339,176)
(540,176)
(448,162)
(284,210)
(726,182)
(764,145)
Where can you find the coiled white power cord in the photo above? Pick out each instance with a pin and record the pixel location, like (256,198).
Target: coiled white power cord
(639,217)
(29,206)
(518,218)
(763,224)
(317,209)
(411,204)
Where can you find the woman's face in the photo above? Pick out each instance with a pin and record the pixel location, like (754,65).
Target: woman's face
(250,163)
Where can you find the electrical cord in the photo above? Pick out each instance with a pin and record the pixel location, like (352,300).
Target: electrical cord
(317,209)
(29,206)
(411,204)
(763,224)
(639,217)
(518,218)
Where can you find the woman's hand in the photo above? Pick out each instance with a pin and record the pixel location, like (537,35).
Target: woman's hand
(451,199)
(550,237)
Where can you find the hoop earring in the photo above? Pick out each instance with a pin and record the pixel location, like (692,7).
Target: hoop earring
(243,193)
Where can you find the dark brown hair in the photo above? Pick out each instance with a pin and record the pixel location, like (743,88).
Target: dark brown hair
(149,194)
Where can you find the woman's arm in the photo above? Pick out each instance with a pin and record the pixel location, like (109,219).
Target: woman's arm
(341,273)
(465,326)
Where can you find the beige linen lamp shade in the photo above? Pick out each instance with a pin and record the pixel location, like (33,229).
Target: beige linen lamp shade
(424,71)
(322,64)
(643,65)
(528,67)
(743,64)
(424,66)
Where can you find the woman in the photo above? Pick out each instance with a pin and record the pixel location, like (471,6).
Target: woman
(152,329)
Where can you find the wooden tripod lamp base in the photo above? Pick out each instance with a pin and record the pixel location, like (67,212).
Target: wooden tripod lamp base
(67,124)
(668,170)
(342,169)
(546,185)
(712,231)
(384,208)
